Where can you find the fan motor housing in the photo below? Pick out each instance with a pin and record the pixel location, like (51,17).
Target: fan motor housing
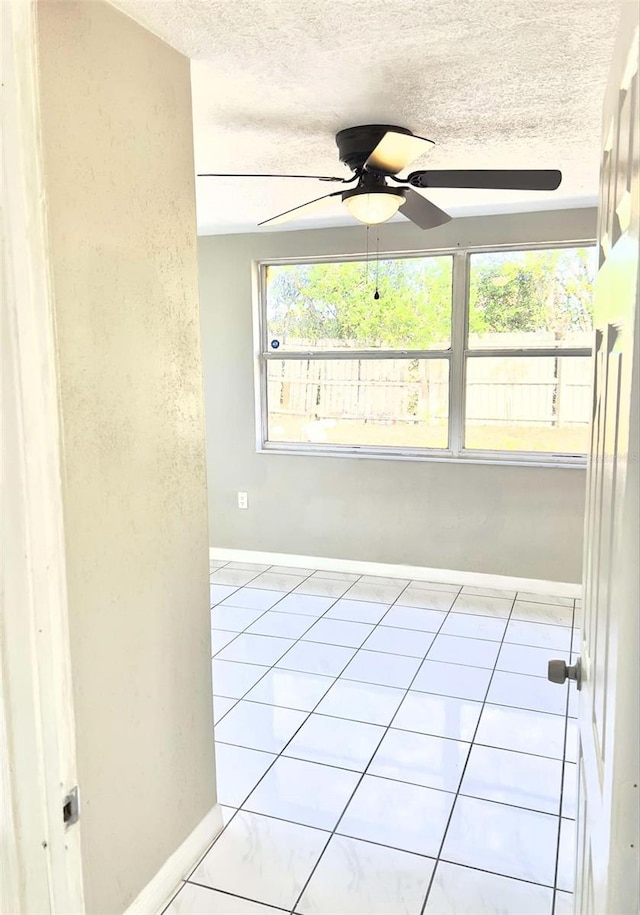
(355,144)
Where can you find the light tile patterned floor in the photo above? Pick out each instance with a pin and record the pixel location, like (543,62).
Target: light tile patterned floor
(386,746)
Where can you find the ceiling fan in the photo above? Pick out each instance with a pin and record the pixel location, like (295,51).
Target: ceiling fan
(375,153)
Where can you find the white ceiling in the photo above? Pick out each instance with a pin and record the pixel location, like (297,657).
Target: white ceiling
(496,83)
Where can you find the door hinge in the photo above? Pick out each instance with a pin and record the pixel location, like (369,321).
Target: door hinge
(71,807)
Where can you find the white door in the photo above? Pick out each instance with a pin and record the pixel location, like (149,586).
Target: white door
(609,730)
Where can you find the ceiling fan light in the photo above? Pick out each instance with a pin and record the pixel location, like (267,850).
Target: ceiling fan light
(373,206)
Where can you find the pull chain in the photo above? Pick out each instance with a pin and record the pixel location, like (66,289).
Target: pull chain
(366,272)
(376,294)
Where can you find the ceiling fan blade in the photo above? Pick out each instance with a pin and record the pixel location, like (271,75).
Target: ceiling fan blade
(317,177)
(528,179)
(418,209)
(294,212)
(396,151)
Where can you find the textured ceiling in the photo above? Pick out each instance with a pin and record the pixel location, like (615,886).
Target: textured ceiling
(496,83)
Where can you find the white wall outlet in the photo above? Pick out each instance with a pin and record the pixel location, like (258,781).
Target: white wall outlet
(243,500)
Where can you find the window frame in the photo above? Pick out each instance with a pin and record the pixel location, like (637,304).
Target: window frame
(457,355)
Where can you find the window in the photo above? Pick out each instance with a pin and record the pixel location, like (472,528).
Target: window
(527,365)
(476,355)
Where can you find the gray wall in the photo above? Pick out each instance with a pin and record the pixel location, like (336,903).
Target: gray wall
(117,136)
(522,521)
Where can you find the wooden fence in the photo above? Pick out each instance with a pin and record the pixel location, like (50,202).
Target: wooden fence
(531,391)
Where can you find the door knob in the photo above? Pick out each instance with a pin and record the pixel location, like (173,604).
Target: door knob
(560,672)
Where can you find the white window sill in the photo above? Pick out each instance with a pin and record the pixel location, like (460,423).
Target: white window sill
(503,459)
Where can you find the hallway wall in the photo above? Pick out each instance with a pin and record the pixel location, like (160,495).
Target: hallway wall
(116,121)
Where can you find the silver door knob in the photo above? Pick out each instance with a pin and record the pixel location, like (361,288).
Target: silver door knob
(560,672)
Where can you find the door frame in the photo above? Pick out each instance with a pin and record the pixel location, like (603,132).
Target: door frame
(40,858)
(607,822)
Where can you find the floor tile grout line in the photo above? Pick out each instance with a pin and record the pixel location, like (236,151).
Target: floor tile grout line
(564,764)
(307,578)
(470,638)
(464,769)
(236,588)
(316,619)
(391,726)
(336,678)
(408,629)
(388,728)
(483,870)
(237,896)
(357,839)
(239,588)
(244,631)
(343,596)
(417,854)
(575,627)
(269,667)
(249,584)
(473,743)
(307,715)
(522,708)
(456,614)
(426,585)
(295,641)
(390,778)
(459,593)
(264,635)
(390,605)
(174,895)
(330,833)
(316,574)
(519,708)
(369,600)
(245,585)
(365,771)
(363,647)
(279,754)
(488,746)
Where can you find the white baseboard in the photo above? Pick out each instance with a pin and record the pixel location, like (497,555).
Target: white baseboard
(394,570)
(157,893)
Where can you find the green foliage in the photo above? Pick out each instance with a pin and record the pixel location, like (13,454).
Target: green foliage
(333,304)
(532,290)
(335,301)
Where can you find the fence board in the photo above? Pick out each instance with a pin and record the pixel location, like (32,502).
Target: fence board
(524,391)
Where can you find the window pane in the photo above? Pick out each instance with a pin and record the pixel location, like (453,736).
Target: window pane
(391,402)
(332,306)
(521,403)
(521,299)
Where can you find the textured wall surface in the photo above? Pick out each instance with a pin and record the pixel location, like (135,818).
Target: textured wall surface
(522,521)
(118,164)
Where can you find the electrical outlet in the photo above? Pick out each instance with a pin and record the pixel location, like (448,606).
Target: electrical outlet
(243,500)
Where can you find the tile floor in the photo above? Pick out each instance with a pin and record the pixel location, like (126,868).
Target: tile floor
(386,746)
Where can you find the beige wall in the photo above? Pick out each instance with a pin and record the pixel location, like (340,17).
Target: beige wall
(116,112)
(521,521)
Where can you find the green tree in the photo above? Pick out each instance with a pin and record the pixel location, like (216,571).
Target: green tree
(335,301)
(532,290)
(509,292)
